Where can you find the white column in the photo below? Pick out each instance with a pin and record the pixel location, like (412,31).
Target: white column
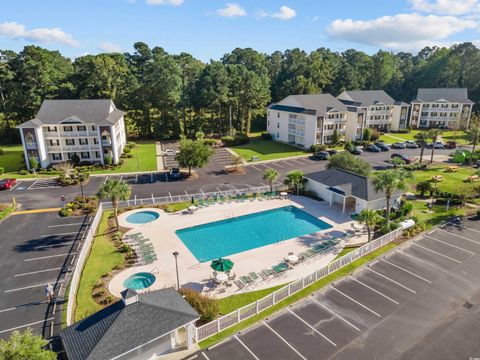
(190,331)
(344,203)
(25,152)
(331,198)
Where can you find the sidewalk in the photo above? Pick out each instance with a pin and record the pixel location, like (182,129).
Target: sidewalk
(159,157)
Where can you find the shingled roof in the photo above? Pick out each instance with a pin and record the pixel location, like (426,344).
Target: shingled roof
(123,326)
(367,97)
(312,104)
(455,95)
(53,112)
(349,183)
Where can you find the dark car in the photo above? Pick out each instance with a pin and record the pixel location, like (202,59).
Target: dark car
(7,184)
(175,173)
(382,146)
(411,144)
(332,152)
(398,145)
(450,145)
(406,159)
(320,155)
(357,150)
(372,148)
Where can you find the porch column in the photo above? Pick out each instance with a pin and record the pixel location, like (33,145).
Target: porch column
(344,203)
(331,198)
(190,332)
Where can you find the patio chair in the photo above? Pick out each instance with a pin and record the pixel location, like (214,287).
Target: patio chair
(254,276)
(246,279)
(232,277)
(239,284)
(268,272)
(263,276)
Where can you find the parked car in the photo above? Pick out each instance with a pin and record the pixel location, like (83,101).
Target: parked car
(332,152)
(320,155)
(372,148)
(406,159)
(7,184)
(357,150)
(382,146)
(411,144)
(175,173)
(450,145)
(438,145)
(399,145)
(171,152)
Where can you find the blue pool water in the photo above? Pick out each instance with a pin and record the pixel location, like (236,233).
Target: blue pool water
(235,235)
(142,217)
(139,281)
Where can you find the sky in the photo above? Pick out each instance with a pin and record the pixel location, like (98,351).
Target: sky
(210,28)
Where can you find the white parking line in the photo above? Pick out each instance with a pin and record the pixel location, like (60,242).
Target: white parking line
(285,341)
(391,280)
(33,286)
(407,271)
(459,236)
(205,356)
(296,161)
(136,178)
(48,257)
(37,272)
(61,234)
(446,243)
(186,193)
(475,230)
(246,347)
(436,252)
(72,224)
(355,301)
(334,313)
(256,168)
(311,327)
(18,183)
(106,178)
(26,325)
(427,263)
(374,290)
(23,306)
(278,164)
(28,188)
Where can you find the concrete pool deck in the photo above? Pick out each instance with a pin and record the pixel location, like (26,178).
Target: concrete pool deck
(193,274)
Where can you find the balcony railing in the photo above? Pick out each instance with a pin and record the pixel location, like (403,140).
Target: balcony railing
(106,143)
(32,145)
(70,134)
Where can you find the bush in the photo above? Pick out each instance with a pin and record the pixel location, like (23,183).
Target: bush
(1,151)
(316,148)
(209,142)
(2,170)
(23,172)
(374,135)
(239,139)
(65,212)
(205,306)
(107,159)
(126,150)
(129,156)
(227,140)
(267,136)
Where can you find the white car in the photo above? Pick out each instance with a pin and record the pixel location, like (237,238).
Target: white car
(170,152)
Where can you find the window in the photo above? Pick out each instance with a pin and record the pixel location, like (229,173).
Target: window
(424,113)
(70,142)
(278,114)
(435,105)
(105,151)
(54,142)
(268,113)
(56,156)
(83,141)
(454,106)
(278,125)
(51,128)
(81,128)
(268,122)
(97,154)
(278,135)
(70,155)
(434,114)
(85,155)
(67,128)
(426,105)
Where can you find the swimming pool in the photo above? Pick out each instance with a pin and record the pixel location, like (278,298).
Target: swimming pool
(142,217)
(139,281)
(235,235)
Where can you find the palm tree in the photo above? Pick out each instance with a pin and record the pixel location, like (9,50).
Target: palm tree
(270,175)
(115,190)
(369,218)
(423,187)
(390,181)
(396,162)
(295,180)
(473,136)
(422,138)
(434,134)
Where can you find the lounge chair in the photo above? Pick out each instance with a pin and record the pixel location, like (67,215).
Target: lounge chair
(247,280)
(254,276)
(268,272)
(232,277)
(239,284)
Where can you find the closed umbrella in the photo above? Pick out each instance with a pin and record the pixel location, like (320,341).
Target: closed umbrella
(222,265)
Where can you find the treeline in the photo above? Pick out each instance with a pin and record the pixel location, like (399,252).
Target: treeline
(168,95)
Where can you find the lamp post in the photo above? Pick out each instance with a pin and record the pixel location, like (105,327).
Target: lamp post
(175,254)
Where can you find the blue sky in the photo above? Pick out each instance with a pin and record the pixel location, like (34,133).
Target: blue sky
(209,28)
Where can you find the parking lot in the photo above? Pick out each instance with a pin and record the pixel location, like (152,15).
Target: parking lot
(420,301)
(35,249)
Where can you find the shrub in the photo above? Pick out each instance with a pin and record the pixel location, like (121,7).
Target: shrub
(374,135)
(1,151)
(23,172)
(209,142)
(131,144)
(126,150)
(366,134)
(239,139)
(316,148)
(267,136)
(227,140)
(107,159)
(75,159)
(2,170)
(33,162)
(205,306)
(65,212)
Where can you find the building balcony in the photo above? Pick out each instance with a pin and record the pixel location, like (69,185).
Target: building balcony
(31,146)
(69,148)
(106,142)
(69,134)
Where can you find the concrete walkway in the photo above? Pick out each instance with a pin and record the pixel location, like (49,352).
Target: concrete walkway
(158,147)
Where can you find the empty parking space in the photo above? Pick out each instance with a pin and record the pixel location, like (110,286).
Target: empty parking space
(233,349)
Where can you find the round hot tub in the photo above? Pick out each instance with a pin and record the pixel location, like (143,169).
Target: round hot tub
(142,217)
(139,281)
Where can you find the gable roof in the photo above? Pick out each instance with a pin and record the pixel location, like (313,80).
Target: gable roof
(349,183)
(456,95)
(120,328)
(367,97)
(52,112)
(312,104)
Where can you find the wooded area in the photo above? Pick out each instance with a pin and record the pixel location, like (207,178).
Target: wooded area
(167,95)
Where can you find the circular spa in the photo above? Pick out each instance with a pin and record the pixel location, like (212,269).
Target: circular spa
(139,281)
(142,217)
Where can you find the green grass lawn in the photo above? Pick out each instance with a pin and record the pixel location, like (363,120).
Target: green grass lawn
(266,149)
(438,215)
(458,136)
(296,297)
(234,302)
(102,259)
(12,160)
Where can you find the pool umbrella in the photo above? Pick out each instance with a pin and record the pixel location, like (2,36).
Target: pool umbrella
(222,265)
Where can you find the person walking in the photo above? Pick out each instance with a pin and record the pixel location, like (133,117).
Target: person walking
(49,292)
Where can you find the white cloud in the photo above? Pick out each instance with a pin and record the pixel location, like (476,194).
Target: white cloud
(406,32)
(109,47)
(165,2)
(446,7)
(232,10)
(14,30)
(285,13)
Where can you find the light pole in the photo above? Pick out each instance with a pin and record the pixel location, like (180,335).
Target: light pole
(175,254)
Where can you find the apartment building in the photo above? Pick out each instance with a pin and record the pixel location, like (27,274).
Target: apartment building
(441,108)
(91,129)
(381,111)
(305,120)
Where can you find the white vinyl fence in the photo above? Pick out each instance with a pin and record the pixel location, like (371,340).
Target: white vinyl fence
(81,259)
(182,198)
(252,309)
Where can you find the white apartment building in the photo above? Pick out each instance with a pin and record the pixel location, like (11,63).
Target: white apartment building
(91,129)
(382,112)
(305,120)
(441,108)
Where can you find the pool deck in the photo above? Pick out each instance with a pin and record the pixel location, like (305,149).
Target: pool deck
(193,274)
